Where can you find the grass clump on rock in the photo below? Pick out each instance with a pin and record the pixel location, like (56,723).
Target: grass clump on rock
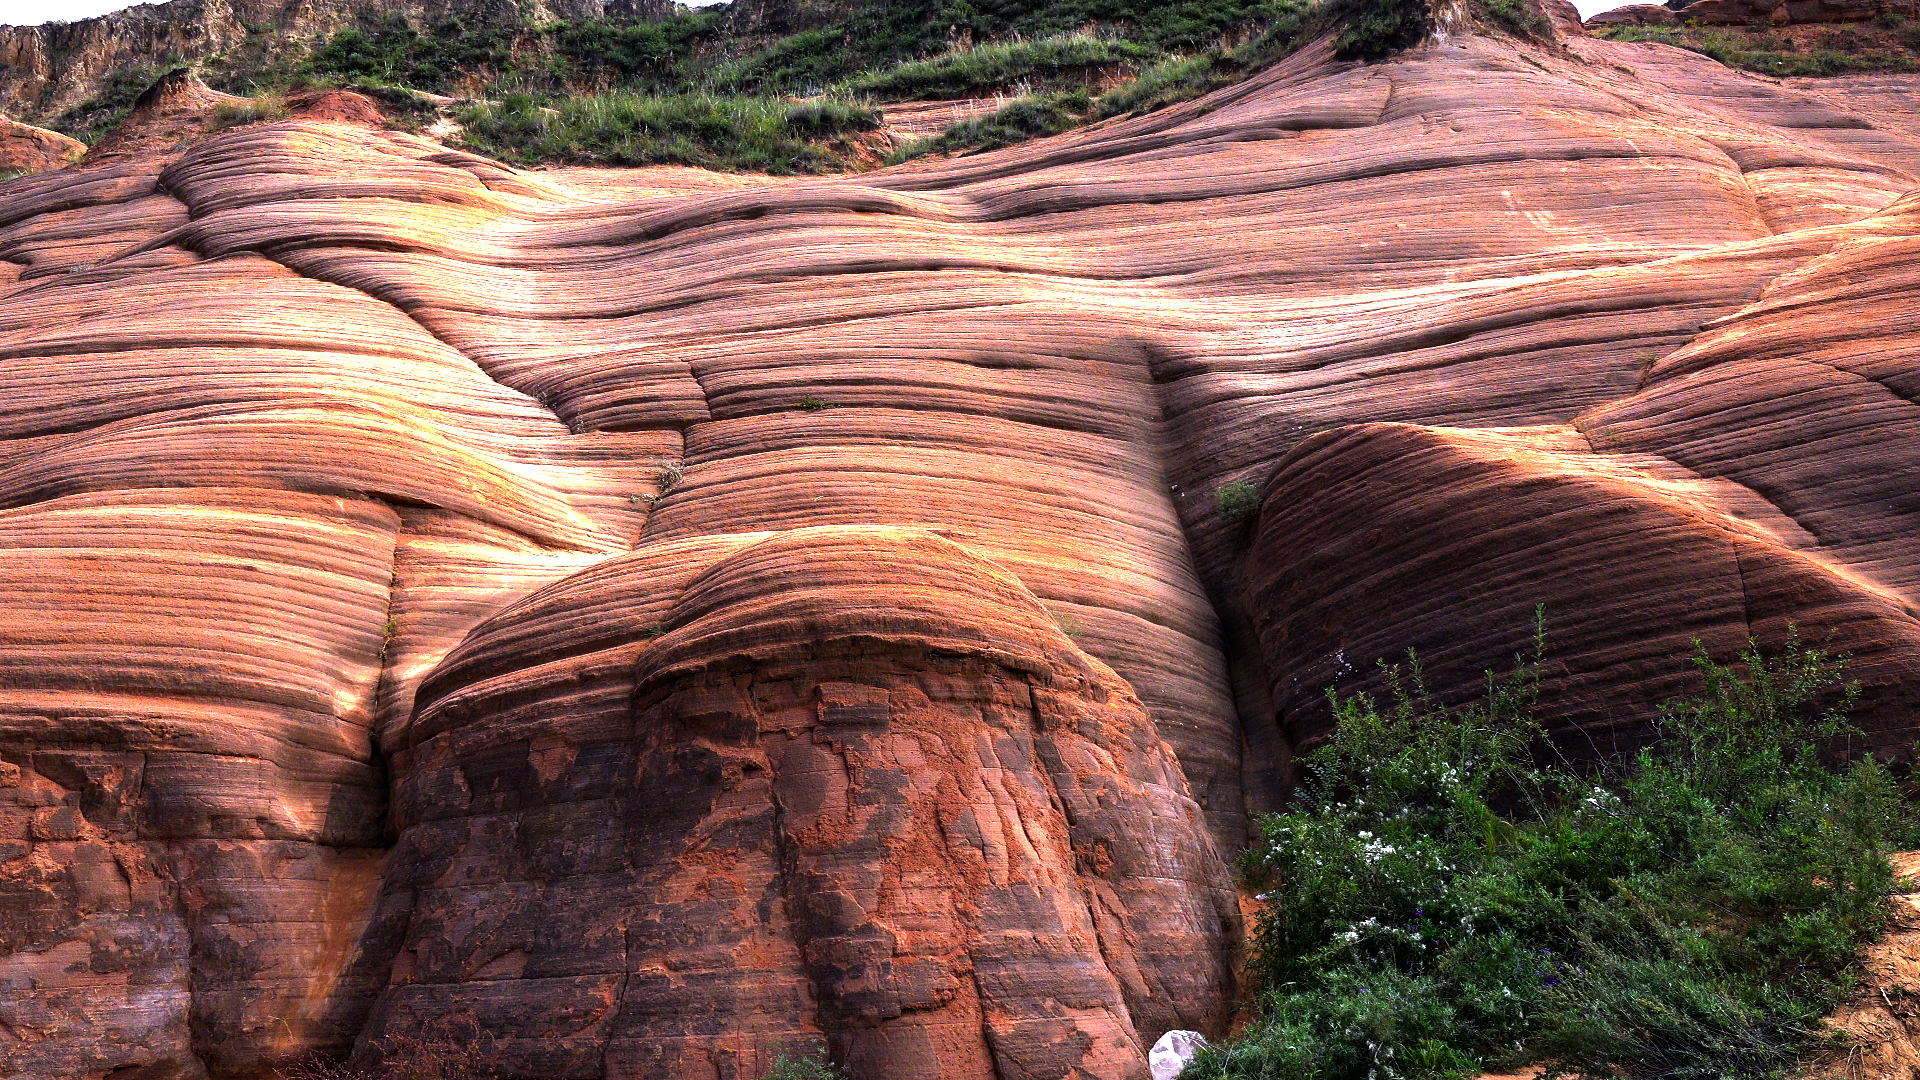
(1237,501)
(1447,894)
(708,130)
(986,68)
(231,114)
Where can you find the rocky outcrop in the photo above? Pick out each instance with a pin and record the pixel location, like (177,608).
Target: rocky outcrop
(177,109)
(50,67)
(25,148)
(28,149)
(862,787)
(1756,13)
(658,632)
(1635,15)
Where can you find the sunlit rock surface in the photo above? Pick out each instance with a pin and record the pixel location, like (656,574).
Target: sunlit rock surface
(660,630)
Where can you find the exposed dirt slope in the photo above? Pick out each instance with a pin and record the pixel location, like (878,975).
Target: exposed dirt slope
(658,630)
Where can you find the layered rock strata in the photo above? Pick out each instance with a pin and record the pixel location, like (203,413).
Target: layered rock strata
(862,787)
(661,631)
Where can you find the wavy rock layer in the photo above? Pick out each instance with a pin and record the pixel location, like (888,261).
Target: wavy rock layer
(661,630)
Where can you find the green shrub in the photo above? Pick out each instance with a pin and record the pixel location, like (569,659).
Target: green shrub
(986,68)
(813,1066)
(1520,18)
(811,404)
(1237,501)
(708,130)
(825,119)
(1447,894)
(1378,28)
(800,64)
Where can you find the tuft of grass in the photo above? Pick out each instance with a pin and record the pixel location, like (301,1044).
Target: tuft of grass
(800,63)
(1169,81)
(1053,63)
(708,130)
(237,113)
(1015,122)
(1447,895)
(1237,501)
(812,404)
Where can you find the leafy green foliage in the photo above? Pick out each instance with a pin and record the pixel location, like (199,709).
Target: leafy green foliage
(1448,894)
(479,40)
(1378,28)
(1237,501)
(1520,18)
(708,130)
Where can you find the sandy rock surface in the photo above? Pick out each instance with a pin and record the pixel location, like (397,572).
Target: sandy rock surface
(25,148)
(661,623)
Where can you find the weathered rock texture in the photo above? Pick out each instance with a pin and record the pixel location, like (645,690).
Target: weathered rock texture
(28,149)
(428,601)
(53,66)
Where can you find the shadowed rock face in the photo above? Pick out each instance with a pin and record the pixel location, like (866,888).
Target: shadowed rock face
(428,600)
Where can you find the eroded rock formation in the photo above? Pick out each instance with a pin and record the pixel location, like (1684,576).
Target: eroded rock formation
(28,149)
(659,630)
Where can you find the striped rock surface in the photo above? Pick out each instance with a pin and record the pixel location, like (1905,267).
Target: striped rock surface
(649,627)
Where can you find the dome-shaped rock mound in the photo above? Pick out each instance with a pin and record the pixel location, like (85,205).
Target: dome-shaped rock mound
(642,636)
(28,149)
(862,791)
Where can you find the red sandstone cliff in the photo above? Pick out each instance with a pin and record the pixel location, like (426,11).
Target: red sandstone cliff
(424,599)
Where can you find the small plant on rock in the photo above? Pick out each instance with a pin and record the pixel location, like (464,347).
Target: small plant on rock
(1237,501)
(814,1066)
